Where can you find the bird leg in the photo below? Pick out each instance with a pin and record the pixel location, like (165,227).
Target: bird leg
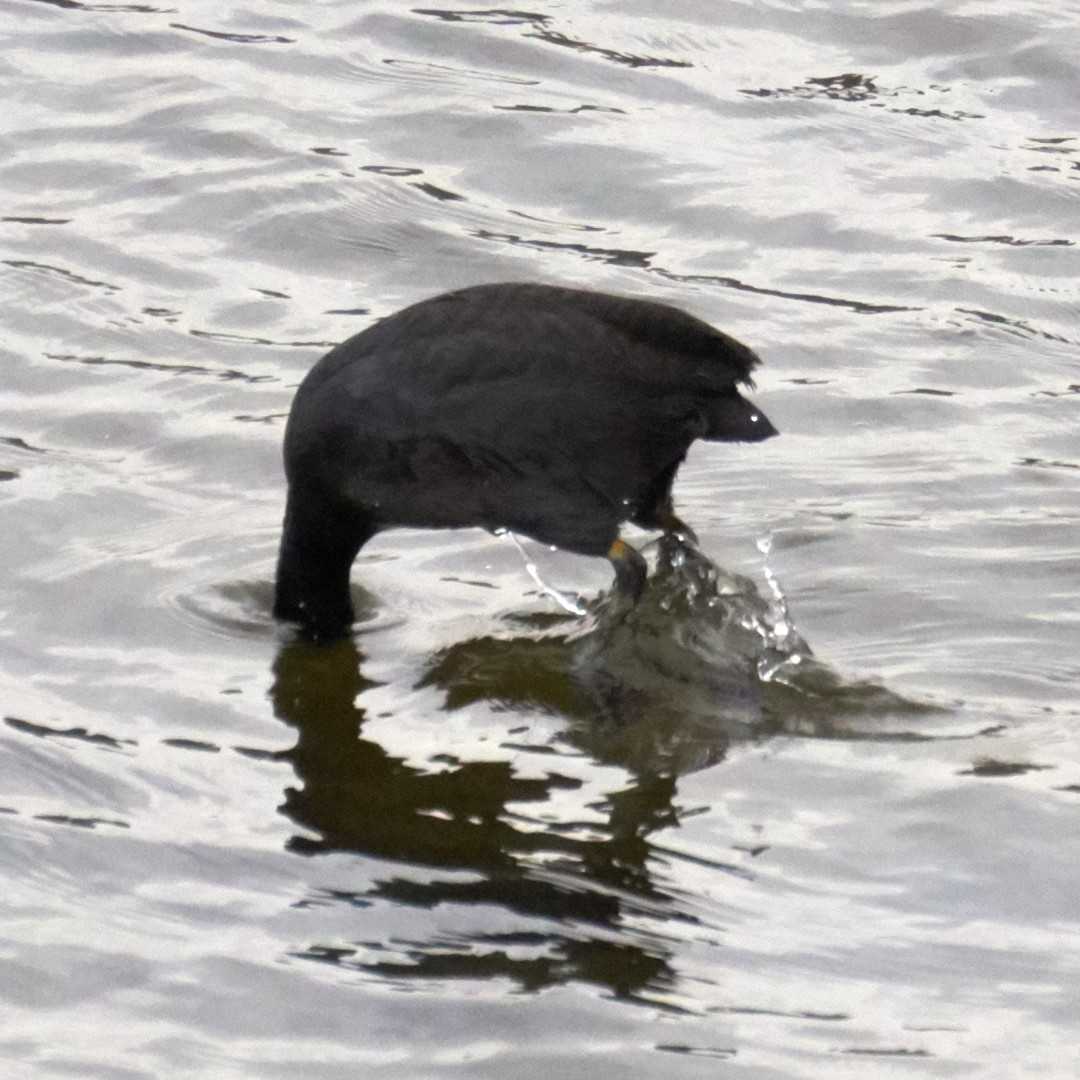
(665,518)
(658,512)
(630,570)
(674,525)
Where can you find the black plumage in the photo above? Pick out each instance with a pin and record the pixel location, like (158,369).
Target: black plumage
(553,412)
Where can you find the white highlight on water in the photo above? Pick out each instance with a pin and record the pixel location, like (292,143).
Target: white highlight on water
(567,603)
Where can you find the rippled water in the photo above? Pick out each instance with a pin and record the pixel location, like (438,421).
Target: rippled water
(487,838)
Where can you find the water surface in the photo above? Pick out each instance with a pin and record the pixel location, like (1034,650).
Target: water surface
(485,838)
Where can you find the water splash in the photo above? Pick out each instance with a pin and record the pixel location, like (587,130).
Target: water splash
(785,648)
(719,614)
(569,604)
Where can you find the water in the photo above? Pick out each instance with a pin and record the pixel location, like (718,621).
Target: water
(489,837)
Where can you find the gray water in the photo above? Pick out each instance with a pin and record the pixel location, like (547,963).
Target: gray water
(486,838)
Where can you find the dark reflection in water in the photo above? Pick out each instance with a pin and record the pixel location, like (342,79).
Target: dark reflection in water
(357,797)
(541,28)
(854,87)
(658,690)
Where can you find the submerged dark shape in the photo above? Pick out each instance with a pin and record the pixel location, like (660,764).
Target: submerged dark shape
(552,412)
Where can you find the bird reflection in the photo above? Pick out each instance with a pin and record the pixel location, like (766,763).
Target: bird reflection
(354,796)
(624,696)
(656,689)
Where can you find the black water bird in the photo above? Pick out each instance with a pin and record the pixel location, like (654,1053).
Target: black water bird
(553,412)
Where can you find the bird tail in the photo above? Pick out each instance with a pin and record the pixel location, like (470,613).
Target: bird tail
(731,418)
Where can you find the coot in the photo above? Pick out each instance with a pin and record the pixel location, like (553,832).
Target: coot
(554,412)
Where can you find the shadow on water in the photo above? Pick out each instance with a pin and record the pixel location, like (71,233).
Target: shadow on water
(667,687)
